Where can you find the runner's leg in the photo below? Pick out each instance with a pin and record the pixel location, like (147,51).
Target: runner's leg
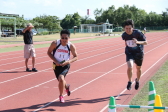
(138,72)
(130,64)
(61,84)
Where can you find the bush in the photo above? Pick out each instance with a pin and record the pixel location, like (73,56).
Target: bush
(48,32)
(118,29)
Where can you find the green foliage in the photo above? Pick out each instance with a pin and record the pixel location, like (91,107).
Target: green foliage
(49,22)
(87,20)
(70,21)
(115,17)
(140,17)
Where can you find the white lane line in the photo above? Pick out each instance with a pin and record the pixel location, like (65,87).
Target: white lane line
(80,48)
(47,56)
(50,68)
(75,71)
(26,90)
(23,76)
(81,86)
(24,66)
(55,78)
(79,54)
(83,46)
(98,78)
(71,72)
(134,81)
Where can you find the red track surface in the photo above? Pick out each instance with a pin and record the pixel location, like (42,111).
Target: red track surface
(99,73)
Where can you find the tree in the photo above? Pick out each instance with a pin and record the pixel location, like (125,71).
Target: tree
(50,22)
(87,20)
(70,21)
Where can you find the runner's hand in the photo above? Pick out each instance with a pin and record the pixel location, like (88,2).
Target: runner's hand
(64,63)
(135,40)
(57,64)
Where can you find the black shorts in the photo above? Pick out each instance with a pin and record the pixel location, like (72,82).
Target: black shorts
(59,70)
(137,56)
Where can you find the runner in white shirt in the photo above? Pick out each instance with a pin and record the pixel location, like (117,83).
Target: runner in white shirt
(59,52)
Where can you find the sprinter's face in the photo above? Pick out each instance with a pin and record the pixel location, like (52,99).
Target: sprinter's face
(128,29)
(64,38)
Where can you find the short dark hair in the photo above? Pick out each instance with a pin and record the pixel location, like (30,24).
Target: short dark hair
(65,31)
(128,22)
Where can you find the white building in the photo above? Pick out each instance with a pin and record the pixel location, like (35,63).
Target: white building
(94,28)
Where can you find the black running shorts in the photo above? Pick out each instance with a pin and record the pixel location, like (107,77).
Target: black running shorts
(137,57)
(59,70)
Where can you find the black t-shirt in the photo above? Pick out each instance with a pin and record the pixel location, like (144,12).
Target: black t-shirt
(28,37)
(131,46)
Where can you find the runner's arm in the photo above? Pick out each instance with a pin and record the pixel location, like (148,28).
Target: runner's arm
(74,53)
(140,42)
(50,50)
(125,43)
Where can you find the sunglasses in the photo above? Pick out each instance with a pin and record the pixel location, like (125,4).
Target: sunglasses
(65,38)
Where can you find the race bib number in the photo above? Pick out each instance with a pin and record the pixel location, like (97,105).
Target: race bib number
(130,43)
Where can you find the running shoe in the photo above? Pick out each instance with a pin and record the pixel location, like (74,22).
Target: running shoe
(68,90)
(136,84)
(28,70)
(34,70)
(129,85)
(61,98)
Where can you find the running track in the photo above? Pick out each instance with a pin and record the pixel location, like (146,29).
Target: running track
(99,73)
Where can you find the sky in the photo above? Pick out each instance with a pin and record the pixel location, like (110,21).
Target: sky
(60,8)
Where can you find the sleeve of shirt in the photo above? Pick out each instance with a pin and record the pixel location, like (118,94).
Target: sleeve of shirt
(142,36)
(123,36)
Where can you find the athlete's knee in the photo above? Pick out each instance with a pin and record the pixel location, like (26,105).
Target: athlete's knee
(61,78)
(130,69)
(130,63)
(138,68)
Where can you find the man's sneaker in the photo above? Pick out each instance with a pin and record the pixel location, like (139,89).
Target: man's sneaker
(61,98)
(129,85)
(68,90)
(28,70)
(34,70)
(136,84)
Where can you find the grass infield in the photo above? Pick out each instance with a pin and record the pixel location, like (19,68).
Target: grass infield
(19,48)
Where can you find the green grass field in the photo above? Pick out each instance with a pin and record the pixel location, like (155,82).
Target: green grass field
(160,80)
(9,40)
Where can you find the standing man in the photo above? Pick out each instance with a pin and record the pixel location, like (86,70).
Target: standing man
(29,50)
(134,41)
(59,52)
